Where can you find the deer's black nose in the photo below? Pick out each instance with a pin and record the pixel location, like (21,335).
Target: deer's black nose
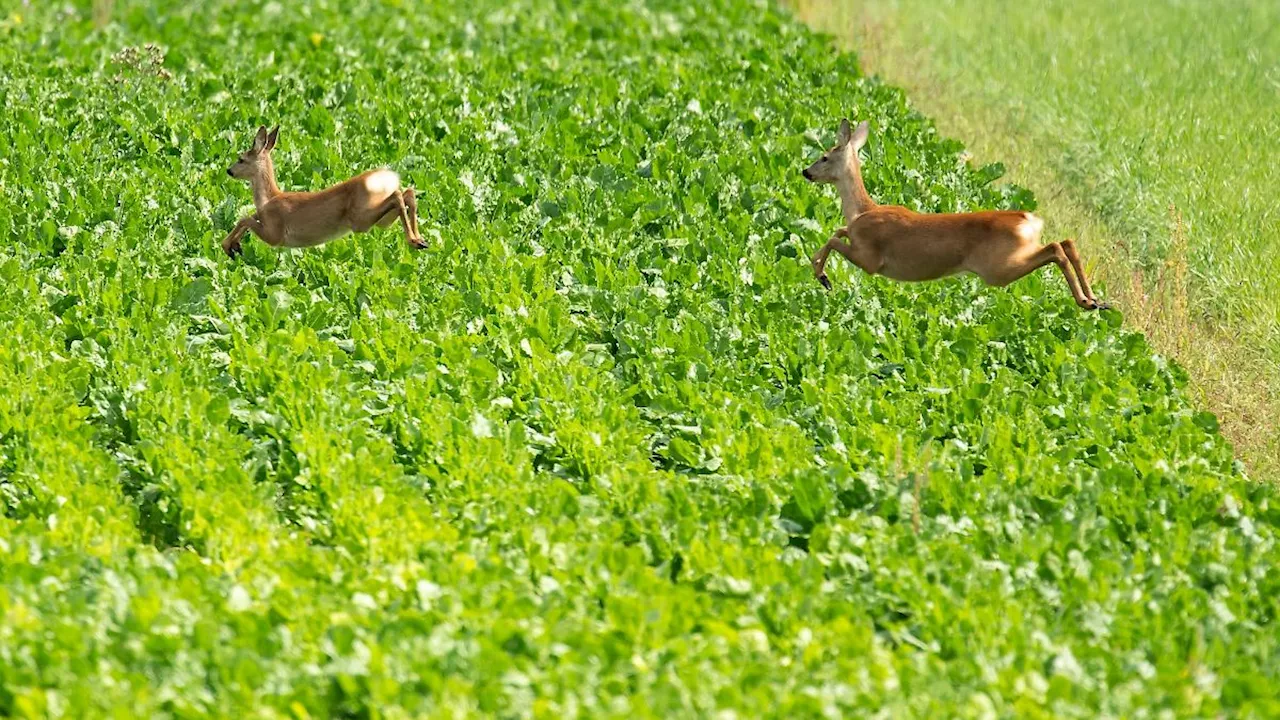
(229,172)
(806,174)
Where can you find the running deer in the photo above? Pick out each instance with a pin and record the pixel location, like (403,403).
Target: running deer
(307,219)
(997,246)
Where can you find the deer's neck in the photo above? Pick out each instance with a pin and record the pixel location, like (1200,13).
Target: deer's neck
(264,184)
(854,199)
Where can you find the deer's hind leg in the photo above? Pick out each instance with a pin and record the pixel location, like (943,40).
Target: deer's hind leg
(388,211)
(1073,255)
(1022,264)
(411,206)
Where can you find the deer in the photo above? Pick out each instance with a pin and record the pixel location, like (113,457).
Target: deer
(999,246)
(307,219)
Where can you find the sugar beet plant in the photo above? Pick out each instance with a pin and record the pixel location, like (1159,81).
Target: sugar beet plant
(606,448)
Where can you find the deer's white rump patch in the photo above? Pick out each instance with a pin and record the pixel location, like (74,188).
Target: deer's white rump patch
(1031,227)
(382,182)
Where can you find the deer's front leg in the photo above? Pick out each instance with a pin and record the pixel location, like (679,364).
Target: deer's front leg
(231,244)
(820,259)
(858,251)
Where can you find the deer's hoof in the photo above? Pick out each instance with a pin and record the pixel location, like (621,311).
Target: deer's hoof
(233,251)
(418,244)
(826,282)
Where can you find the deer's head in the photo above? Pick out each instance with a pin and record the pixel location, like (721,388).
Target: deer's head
(256,159)
(840,163)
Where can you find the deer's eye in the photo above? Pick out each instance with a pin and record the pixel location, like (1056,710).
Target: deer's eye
(824,158)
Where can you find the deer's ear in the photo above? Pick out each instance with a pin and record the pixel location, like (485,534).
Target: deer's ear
(271,138)
(860,135)
(845,131)
(260,140)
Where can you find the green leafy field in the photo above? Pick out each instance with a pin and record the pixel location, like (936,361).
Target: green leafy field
(606,449)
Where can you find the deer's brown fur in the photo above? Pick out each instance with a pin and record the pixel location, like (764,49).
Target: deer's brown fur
(307,219)
(998,246)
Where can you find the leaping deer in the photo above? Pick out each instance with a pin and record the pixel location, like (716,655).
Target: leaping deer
(307,219)
(998,246)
